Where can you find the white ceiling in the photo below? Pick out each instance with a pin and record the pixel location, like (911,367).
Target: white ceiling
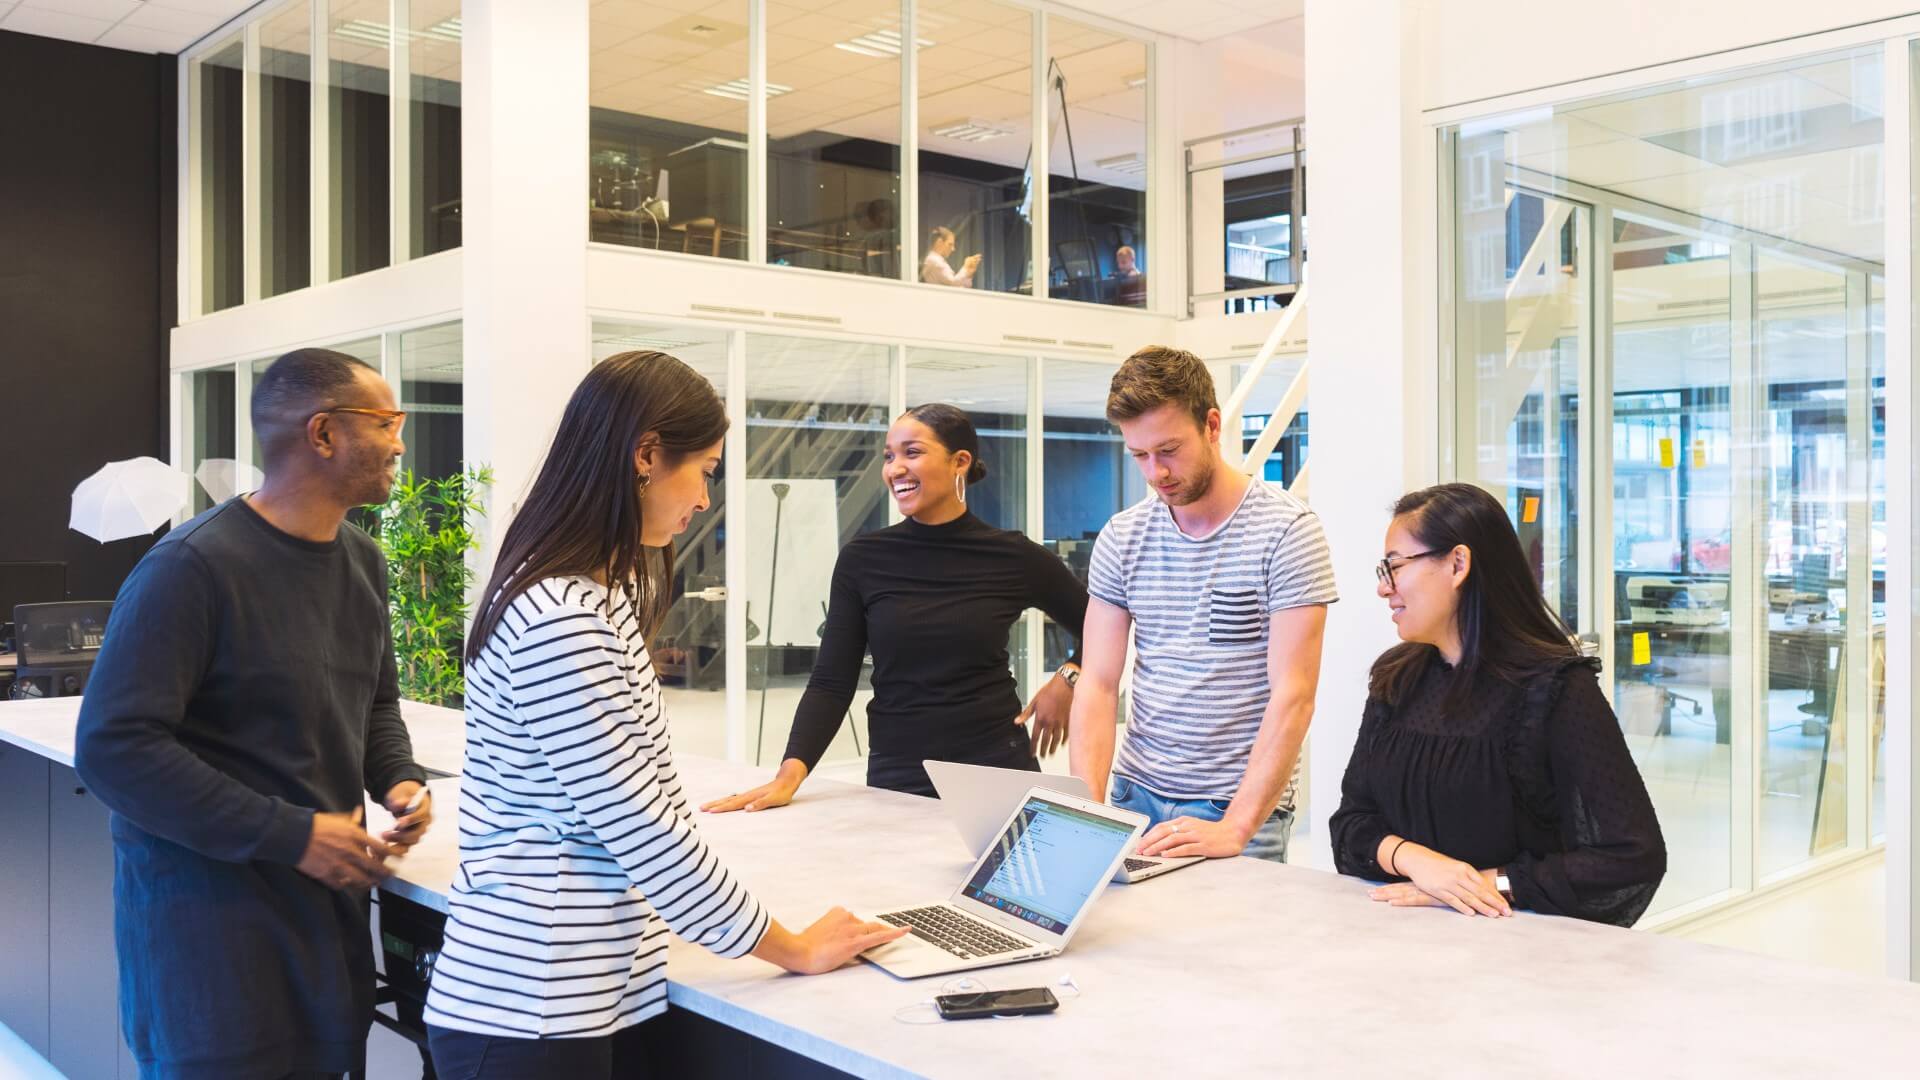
(1195,20)
(168,26)
(150,26)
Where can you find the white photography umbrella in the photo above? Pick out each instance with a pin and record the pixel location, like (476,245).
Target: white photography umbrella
(128,498)
(223,478)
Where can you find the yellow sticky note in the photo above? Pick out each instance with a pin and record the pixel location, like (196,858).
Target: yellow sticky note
(1642,649)
(1530,510)
(1666,453)
(1699,453)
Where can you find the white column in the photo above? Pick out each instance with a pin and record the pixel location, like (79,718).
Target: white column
(1371,357)
(1903,838)
(525,272)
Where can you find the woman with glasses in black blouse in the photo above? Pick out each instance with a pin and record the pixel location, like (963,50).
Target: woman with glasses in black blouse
(1490,773)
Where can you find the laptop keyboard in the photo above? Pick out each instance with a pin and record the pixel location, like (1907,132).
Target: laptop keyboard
(963,937)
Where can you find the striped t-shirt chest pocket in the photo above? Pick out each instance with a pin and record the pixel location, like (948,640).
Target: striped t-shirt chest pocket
(1234,617)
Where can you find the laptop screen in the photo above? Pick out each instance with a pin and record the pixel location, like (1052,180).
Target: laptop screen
(1048,862)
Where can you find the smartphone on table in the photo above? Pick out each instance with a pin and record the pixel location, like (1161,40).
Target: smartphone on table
(976,1006)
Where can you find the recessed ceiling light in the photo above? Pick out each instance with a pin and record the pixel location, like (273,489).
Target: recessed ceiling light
(1135,82)
(878,43)
(971,130)
(368,32)
(1132,164)
(741,90)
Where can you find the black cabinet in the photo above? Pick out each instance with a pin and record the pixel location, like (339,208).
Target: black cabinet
(24,895)
(84,1039)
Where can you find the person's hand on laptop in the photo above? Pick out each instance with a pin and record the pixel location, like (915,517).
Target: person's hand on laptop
(776,792)
(1185,836)
(833,939)
(1048,710)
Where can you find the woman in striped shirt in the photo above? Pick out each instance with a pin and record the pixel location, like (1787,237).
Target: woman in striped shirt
(577,851)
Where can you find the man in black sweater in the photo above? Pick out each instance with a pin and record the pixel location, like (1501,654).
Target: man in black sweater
(244,698)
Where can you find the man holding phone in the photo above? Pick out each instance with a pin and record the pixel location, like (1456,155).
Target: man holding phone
(244,698)
(936,270)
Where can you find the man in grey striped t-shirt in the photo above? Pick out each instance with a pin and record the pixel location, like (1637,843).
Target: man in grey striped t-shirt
(1224,582)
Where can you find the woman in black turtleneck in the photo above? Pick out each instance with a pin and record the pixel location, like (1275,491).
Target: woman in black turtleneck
(932,599)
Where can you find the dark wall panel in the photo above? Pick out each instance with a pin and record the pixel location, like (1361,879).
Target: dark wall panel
(86,287)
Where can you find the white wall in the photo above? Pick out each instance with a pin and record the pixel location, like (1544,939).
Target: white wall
(1469,50)
(523,169)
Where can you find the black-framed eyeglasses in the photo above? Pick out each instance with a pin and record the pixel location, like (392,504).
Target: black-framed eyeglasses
(1385,567)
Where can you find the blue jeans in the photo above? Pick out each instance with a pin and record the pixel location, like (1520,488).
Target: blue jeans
(1269,841)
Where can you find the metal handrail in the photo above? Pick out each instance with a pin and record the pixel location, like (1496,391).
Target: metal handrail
(1274,125)
(1297,211)
(1255,459)
(1237,294)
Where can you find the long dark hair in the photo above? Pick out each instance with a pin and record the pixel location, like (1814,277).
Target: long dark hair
(584,512)
(1506,628)
(954,428)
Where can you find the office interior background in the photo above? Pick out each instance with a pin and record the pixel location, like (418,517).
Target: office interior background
(1646,274)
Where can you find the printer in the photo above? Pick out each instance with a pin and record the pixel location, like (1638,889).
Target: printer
(1677,601)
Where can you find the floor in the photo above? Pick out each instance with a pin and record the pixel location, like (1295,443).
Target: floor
(1689,776)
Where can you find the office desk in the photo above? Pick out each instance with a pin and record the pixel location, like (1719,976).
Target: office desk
(1798,658)
(1230,968)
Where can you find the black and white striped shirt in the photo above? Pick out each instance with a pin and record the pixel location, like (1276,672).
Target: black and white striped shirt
(577,849)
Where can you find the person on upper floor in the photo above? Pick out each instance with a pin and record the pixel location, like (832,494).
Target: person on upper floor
(932,599)
(1490,774)
(936,270)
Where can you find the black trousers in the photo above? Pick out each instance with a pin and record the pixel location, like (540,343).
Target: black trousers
(906,773)
(463,1055)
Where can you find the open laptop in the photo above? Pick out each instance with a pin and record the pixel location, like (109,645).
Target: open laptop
(1026,894)
(977,798)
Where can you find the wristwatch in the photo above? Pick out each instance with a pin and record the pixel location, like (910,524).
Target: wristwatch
(1502,885)
(1071,673)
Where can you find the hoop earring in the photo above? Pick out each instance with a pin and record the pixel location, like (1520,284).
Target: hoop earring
(961,484)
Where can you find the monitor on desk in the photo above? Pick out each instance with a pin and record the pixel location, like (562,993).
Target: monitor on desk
(62,634)
(1077,258)
(1813,574)
(58,644)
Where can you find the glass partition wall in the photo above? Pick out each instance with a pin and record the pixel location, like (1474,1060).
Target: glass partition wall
(1666,358)
(913,156)
(300,170)
(812,413)
(991,145)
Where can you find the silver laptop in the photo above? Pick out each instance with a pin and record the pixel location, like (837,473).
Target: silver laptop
(1024,897)
(978,797)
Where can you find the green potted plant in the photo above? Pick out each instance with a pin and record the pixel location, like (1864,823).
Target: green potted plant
(425,529)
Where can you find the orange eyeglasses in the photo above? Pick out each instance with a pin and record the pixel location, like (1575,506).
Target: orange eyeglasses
(394,418)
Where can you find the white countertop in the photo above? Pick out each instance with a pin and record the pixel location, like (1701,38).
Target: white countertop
(1228,968)
(46,727)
